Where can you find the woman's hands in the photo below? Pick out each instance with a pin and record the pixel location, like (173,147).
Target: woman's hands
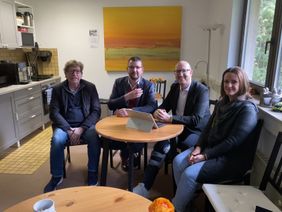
(196,156)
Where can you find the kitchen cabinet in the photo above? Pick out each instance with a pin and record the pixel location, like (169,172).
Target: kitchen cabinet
(25,24)
(21,109)
(28,107)
(8,29)
(8,134)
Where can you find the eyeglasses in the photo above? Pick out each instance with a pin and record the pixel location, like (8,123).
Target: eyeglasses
(183,71)
(133,67)
(74,71)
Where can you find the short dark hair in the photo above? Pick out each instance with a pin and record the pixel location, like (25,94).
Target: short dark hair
(244,85)
(134,59)
(73,63)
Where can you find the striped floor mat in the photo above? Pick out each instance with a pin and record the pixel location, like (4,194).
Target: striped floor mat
(29,156)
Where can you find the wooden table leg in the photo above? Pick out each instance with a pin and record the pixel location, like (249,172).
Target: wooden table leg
(104,171)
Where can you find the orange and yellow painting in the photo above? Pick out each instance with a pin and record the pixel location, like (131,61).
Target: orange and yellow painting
(152,33)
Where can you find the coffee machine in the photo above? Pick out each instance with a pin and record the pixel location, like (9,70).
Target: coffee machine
(23,75)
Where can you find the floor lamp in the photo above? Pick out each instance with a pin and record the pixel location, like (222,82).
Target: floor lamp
(209,29)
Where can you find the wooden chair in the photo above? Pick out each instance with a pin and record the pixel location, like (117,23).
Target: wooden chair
(253,138)
(245,179)
(144,151)
(160,88)
(113,151)
(67,158)
(248,198)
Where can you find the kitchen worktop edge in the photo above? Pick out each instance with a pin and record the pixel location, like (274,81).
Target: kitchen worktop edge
(13,88)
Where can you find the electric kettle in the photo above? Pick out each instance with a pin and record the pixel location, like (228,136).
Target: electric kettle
(20,18)
(28,17)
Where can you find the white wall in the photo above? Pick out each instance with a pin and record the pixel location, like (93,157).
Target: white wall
(219,13)
(64,24)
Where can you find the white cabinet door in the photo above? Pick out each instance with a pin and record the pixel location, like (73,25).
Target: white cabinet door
(8,134)
(8,25)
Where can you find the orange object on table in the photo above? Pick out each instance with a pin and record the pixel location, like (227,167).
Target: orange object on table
(161,205)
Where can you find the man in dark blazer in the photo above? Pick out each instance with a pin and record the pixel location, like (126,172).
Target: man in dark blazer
(188,101)
(133,92)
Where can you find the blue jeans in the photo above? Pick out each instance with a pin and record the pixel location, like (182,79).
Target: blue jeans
(58,142)
(185,176)
(189,141)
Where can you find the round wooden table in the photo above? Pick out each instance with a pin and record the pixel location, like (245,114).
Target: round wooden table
(88,198)
(114,128)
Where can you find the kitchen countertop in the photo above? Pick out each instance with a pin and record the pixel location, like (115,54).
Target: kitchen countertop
(13,88)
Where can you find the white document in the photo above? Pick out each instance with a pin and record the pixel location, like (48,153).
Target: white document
(93,38)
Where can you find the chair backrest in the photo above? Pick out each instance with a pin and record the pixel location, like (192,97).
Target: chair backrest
(254,139)
(160,88)
(212,104)
(274,177)
(104,108)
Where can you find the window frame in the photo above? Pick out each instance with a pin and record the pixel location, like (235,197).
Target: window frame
(275,41)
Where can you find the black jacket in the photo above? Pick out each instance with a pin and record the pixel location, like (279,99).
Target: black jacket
(59,105)
(196,112)
(226,143)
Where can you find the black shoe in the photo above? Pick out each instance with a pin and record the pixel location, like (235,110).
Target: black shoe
(53,183)
(124,165)
(125,162)
(136,159)
(92,178)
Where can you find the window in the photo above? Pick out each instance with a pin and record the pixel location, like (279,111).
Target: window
(278,77)
(261,49)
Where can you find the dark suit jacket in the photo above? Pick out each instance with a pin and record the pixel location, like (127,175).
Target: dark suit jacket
(145,103)
(196,112)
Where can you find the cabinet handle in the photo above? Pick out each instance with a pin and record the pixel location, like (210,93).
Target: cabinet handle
(30,98)
(17,116)
(29,89)
(32,116)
